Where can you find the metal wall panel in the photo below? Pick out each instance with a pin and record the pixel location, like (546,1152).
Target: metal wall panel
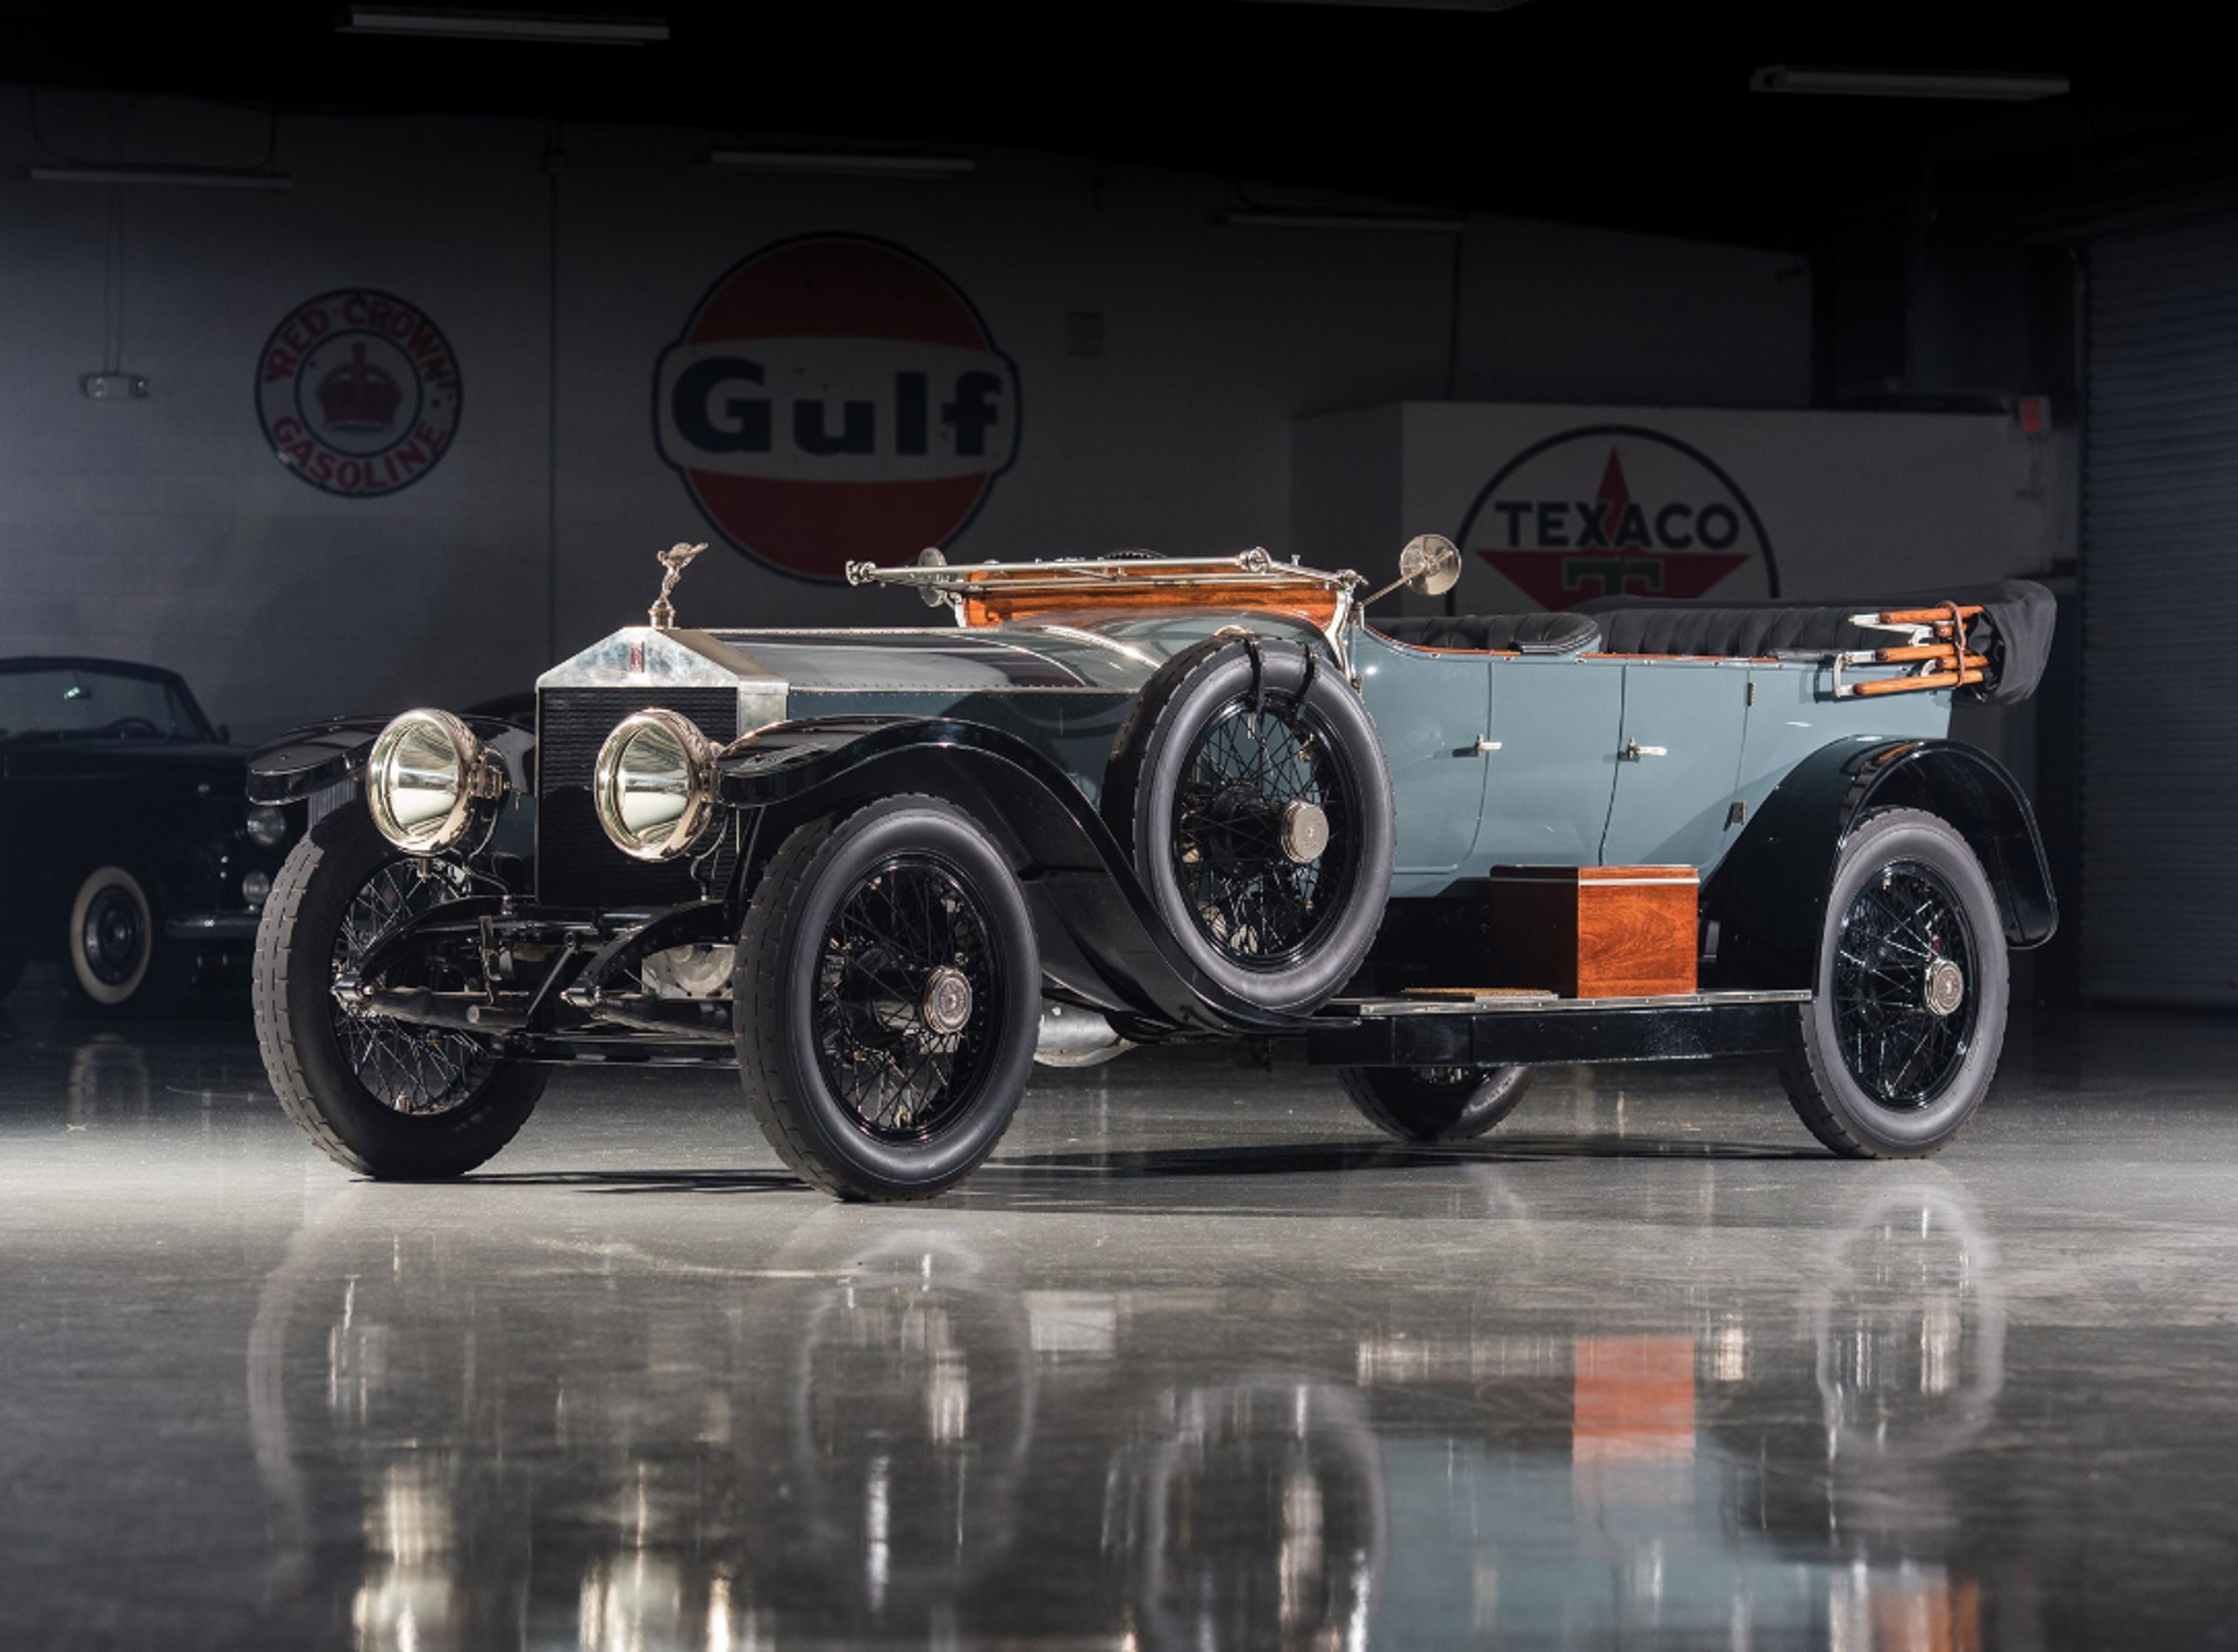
(2160,566)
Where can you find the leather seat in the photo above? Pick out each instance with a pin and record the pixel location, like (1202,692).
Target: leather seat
(1643,626)
(1566,632)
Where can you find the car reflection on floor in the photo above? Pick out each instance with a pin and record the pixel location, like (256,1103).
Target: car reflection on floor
(1195,1362)
(848,1437)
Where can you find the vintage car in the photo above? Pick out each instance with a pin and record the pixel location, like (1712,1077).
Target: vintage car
(128,851)
(1130,800)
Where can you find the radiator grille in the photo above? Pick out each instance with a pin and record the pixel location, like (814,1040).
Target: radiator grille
(575,863)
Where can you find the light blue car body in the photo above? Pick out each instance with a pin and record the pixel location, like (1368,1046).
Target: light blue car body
(1495,758)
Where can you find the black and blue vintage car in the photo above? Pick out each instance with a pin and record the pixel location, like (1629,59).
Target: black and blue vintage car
(126,849)
(1134,800)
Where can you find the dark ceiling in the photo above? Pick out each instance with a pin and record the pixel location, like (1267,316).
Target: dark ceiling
(1635,115)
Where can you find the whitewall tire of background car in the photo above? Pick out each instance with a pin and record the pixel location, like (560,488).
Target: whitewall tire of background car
(116,952)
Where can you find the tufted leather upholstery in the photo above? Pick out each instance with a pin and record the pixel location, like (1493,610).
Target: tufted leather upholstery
(1557,633)
(1643,626)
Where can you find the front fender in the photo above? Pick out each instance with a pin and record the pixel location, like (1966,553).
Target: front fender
(320,755)
(1102,939)
(1768,896)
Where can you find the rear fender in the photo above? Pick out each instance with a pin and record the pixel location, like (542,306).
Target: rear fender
(1102,941)
(1768,896)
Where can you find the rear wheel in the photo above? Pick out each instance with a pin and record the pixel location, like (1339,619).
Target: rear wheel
(1897,1048)
(1435,1103)
(383,1098)
(889,1000)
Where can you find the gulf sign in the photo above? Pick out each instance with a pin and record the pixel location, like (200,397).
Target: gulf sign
(1614,511)
(836,398)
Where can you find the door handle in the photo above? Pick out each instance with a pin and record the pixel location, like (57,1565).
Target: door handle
(1634,750)
(1484,745)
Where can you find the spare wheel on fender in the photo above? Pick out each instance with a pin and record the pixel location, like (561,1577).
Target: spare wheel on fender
(1249,786)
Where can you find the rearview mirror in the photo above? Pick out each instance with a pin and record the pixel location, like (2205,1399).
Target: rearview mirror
(1430,565)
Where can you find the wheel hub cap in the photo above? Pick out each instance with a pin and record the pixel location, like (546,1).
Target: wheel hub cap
(1305,831)
(112,937)
(946,1006)
(1945,988)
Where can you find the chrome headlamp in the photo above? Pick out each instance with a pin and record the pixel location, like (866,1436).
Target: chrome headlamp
(429,781)
(655,785)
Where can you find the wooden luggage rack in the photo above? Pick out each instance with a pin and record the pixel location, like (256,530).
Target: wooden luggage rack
(1936,650)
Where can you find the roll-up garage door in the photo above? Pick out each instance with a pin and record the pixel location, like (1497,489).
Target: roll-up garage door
(2160,645)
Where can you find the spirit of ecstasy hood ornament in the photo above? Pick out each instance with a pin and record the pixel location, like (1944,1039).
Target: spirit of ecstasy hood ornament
(676,559)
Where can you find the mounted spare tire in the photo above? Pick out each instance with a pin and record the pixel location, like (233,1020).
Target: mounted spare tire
(1248,783)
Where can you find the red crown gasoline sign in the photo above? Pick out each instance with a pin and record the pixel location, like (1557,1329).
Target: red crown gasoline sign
(358,392)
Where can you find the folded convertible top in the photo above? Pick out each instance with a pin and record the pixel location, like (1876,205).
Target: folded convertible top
(2012,632)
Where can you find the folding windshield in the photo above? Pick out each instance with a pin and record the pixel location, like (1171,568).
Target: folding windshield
(74,700)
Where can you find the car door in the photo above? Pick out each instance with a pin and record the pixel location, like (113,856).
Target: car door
(1677,760)
(1555,720)
(1429,711)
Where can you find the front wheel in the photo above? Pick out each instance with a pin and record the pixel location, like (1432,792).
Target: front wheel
(1897,1048)
(888,1000)
(1435,1103)
(383,1098)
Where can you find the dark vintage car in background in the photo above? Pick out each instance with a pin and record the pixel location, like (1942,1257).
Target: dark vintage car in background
(128,851)
(1133,800)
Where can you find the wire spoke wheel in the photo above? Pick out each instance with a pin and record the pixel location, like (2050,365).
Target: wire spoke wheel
(906,991)
(1905,970)
(418,1071)
(1263,825)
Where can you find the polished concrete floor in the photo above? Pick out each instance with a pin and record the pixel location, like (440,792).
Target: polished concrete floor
(1195,1362)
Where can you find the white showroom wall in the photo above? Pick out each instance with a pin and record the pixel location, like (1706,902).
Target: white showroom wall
(168,529)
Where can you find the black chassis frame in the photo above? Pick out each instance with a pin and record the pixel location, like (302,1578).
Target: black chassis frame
(1103,946)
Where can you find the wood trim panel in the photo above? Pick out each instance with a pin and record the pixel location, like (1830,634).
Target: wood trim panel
(1594,931)
(1304,599)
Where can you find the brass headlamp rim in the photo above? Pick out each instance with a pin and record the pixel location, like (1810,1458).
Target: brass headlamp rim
(699,756)
(481,780)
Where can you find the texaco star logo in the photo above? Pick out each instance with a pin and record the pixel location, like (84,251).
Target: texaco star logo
(1617,510)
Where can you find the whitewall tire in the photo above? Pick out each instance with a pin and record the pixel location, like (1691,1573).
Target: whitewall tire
(112,943)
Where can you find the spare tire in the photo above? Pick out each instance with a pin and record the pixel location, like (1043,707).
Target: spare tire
(1249,784)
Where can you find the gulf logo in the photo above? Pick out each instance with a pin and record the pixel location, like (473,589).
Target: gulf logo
(836,398)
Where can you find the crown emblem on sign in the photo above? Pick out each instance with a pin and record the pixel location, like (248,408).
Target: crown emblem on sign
(676,559)
(358,396)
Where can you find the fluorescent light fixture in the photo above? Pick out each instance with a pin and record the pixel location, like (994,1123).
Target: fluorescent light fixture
(1984,87)
(550,27)
(170,177)
(1419,223)
(842,164)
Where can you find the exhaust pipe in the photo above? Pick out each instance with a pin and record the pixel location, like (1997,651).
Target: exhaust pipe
(1072,1037)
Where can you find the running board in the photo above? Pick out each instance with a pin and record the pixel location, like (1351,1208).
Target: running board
(1523,1029)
